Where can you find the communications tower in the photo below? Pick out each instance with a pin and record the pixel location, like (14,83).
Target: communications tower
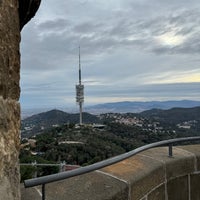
(80,92)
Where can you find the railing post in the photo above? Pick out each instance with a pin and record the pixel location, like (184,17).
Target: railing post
(62,166)
(170,150)
(35,165)
(43,192)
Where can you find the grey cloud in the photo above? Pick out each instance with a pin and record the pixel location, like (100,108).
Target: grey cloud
(53,25)
(191,46)
(118,48)
(103,38)
(154,90)
(87,27)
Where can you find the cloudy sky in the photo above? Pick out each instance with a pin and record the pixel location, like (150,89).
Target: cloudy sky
(131,50)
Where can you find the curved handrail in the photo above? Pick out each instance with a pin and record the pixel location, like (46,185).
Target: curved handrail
(76,172)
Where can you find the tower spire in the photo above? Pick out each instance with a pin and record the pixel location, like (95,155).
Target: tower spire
(79,66)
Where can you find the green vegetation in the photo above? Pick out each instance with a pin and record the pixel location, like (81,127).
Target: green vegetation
(28,172)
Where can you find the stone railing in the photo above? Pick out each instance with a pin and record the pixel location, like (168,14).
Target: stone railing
(149,175)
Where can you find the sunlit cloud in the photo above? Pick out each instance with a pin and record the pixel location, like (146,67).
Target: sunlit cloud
(170,39)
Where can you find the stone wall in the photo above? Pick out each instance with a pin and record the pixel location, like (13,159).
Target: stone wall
(12,19)
(9,96)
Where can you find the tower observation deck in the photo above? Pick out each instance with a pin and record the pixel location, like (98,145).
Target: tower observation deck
(80,92)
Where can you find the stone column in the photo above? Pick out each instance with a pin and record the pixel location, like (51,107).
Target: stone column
(9,97)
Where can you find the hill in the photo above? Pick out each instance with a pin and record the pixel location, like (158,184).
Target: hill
(174,115)
(59,117)
(54,118)
(39,122)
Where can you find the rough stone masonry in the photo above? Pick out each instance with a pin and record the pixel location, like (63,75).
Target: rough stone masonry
(14,14)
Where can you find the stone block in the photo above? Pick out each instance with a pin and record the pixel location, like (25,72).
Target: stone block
(195,150)
(195,186)
(158,193)
(180,164)
(177,188)
(141,172)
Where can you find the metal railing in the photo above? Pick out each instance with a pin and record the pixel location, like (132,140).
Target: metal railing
(76,172)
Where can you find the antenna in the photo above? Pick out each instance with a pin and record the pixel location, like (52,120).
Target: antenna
(80,91)
(79,66)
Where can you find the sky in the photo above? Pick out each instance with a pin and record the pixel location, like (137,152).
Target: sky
(131,50)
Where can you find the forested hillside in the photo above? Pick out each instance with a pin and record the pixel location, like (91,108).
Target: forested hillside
(46,120)
(174,115)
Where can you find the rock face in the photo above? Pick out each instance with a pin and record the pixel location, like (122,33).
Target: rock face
(11,21)
(27,9)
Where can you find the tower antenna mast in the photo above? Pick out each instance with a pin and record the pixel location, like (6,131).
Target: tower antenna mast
(80,92)
(79,66)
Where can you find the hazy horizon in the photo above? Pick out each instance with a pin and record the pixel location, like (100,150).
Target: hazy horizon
(26,112)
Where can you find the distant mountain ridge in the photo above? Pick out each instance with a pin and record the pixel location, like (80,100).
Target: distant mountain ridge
(118,107)
(137,107)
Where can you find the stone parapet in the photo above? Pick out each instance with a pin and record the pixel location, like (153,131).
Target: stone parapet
(150,175)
